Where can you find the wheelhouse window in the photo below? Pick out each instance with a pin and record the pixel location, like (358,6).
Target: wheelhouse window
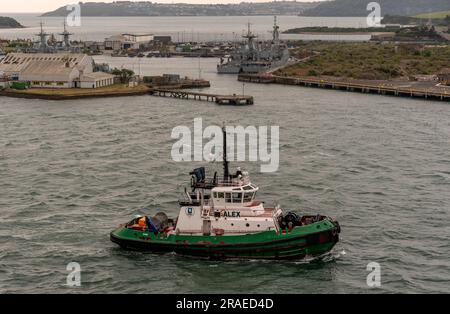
(228,197)
(237,198)
(248,197)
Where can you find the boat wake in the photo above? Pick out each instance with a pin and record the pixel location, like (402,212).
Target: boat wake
(329,257)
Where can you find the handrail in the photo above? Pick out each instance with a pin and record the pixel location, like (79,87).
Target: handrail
(208,182)
(237,182)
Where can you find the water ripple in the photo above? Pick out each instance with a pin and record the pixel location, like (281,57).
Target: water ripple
(71,172)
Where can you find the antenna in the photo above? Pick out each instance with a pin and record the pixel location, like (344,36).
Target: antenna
(199,68)
(226,163)
(66,35)
(140,71)
(276,32)
(43,46)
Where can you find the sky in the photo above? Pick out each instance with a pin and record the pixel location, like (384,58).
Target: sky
(25,6)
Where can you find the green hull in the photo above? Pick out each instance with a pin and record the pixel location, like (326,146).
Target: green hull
(311,240)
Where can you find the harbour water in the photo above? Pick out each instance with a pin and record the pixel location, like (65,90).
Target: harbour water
(203,28)
(72,171)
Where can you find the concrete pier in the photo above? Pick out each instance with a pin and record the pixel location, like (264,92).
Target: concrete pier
(236,100)
(424,90)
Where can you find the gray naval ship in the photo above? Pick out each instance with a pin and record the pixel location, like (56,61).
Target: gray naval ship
(255,57)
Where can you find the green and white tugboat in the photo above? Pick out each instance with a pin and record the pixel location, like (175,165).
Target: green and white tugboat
(222,219)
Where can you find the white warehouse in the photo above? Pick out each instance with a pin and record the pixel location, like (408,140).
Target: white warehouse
(54,70)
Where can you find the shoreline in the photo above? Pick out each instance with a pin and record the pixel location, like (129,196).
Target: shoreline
(47,94)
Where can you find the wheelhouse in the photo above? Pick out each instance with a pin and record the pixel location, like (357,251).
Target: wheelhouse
(239,196)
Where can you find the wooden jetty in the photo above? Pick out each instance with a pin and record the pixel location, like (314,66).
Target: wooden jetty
(236,100)
(424,90)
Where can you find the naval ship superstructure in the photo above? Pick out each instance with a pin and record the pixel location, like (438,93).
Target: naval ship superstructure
(255,57)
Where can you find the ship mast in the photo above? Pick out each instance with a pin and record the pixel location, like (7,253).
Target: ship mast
(250,41)
(43,46)
(66,36)
(276,32)
(226,163)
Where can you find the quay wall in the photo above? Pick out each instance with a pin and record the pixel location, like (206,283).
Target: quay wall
(427,92)
(17,94)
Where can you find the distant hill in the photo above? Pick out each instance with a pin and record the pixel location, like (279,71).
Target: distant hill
(355,8)
(141,8)
(414,20)
(434,15)
(7,22)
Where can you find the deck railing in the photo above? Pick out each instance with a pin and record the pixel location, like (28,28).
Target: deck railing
(209,183)
(235,182)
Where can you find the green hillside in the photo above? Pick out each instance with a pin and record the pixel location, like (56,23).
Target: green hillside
(369,61)
(434,15)
(346,8)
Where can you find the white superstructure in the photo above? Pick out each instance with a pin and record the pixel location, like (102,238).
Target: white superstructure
(224,207)
(230,208)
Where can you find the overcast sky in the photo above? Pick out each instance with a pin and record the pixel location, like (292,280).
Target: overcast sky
(9,6)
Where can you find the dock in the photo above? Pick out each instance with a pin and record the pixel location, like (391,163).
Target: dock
(235,100)
(174,81)
(413,89)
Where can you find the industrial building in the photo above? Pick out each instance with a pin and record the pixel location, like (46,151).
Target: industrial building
(138,38)
(119,42)
(96,80)
(51,70)
(127,41)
